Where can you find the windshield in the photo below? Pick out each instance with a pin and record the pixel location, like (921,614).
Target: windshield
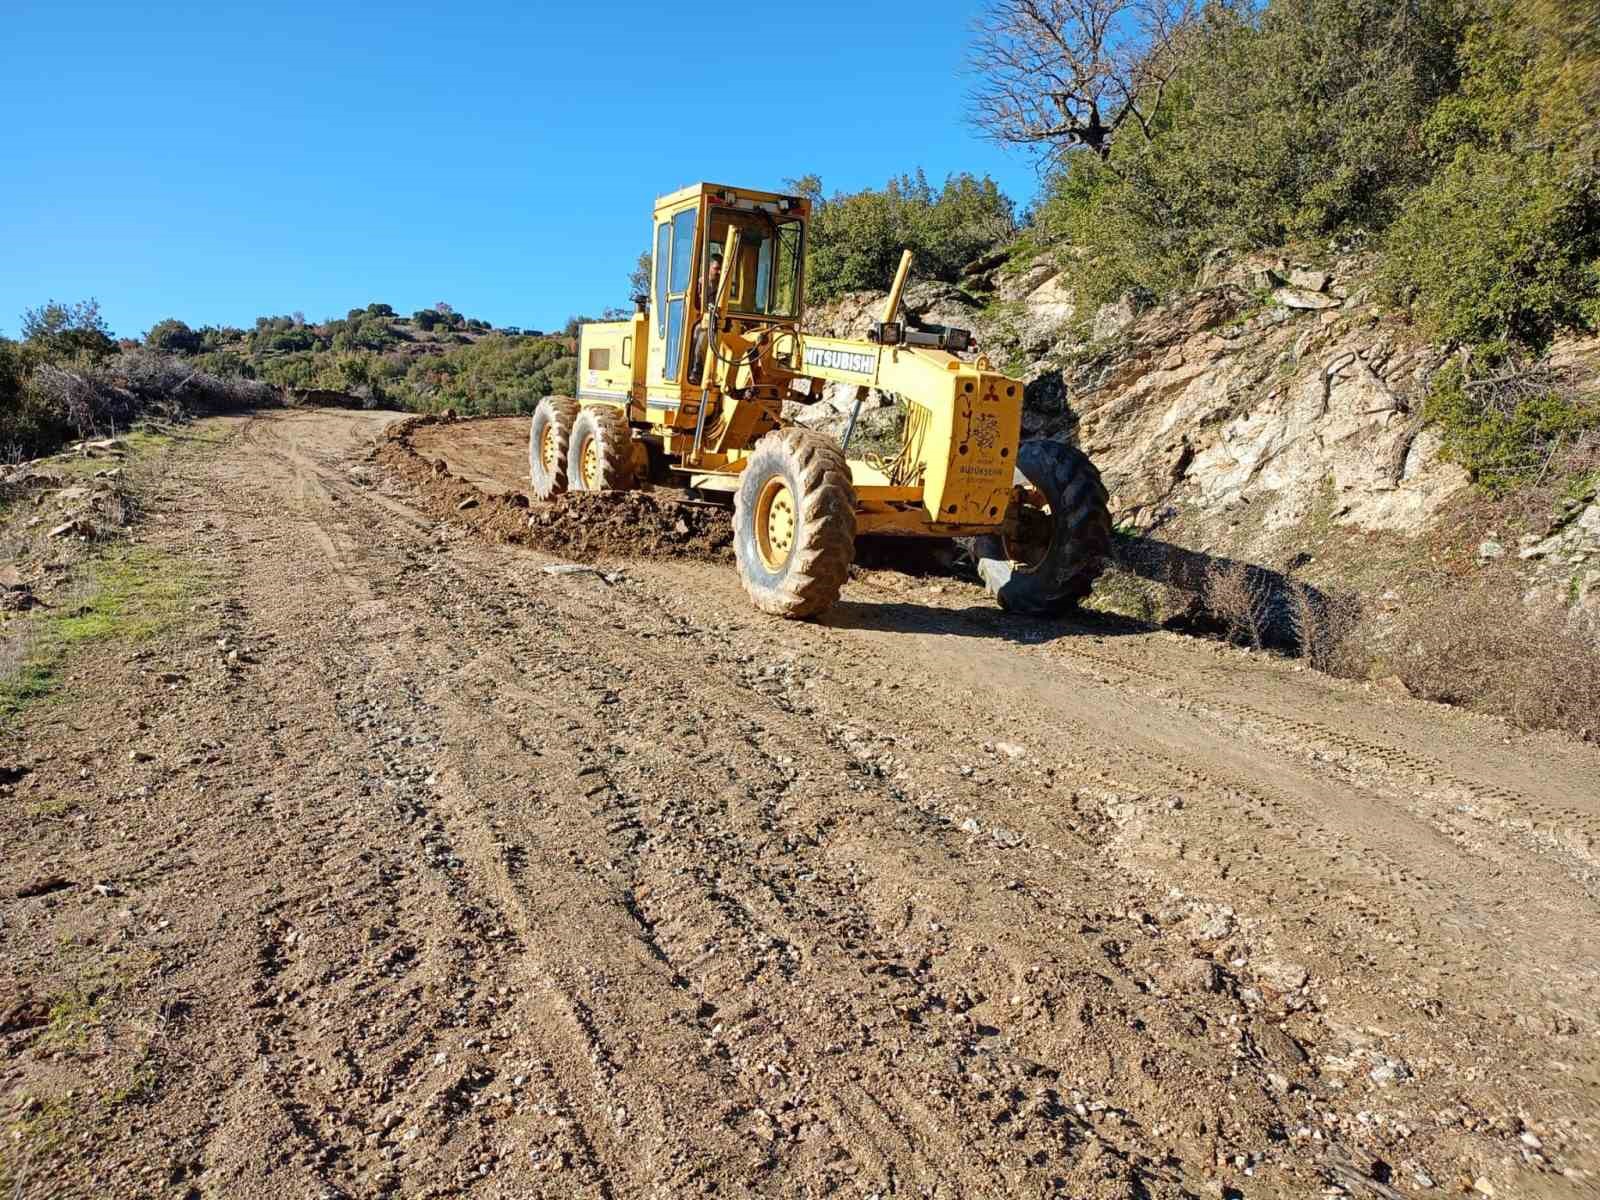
(766,280)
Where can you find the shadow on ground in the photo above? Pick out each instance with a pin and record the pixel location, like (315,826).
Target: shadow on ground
(1224,595)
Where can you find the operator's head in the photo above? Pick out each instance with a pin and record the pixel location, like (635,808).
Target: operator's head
(714,271)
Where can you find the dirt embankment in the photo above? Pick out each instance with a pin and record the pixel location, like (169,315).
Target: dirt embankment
(582,526)
(390,864)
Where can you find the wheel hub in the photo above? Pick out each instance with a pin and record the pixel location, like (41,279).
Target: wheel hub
(549,449)
(776,518)
(1035,526)
(589,465)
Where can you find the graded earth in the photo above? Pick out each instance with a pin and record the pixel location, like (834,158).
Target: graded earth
(405,865)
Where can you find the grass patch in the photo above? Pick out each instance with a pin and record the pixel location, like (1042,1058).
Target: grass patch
(132,593)
(53,809)
(74,1014)
(30,1142)
(143,1086)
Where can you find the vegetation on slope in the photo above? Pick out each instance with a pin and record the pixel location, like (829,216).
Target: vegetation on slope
(1453,140)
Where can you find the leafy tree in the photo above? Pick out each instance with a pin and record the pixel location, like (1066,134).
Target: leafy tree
(60,331)
(639,277)
(1501,248)
(1296,120)
(372,333)
(425,318)
(172,336)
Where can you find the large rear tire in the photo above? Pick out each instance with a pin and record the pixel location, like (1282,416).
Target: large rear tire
(1067,534)
(548,436)
(600,451)
(794,523)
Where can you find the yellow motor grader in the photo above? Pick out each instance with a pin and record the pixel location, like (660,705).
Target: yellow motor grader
(690,392)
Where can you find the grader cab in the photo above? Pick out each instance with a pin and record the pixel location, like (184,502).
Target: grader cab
(689,392)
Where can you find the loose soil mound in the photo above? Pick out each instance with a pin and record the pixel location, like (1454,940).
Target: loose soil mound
(583,526)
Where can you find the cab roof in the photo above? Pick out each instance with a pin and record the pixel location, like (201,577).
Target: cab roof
(696,190)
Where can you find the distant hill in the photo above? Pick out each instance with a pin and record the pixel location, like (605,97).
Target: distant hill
(436,358)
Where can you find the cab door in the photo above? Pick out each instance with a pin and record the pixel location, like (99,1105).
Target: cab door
(672,283)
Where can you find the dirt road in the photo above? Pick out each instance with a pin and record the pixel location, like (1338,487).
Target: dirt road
(426,872)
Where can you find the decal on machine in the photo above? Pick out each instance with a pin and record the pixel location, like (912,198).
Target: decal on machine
(983,429)
(852,362)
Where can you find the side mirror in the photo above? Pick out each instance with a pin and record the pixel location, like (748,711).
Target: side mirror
(641,304)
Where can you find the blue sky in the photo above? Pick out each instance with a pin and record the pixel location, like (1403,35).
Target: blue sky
(217,162)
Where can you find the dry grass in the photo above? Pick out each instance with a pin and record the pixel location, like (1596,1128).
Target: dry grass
(1324,624)
(1236,596)
(1478,647)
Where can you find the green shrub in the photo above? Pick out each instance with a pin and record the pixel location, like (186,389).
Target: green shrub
(62,332)
(1499,250)
(1504,427)
(495,374)
(857,238)
(172,336)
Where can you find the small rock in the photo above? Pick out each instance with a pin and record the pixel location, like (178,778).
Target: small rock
(1392,683)
(1390,1070)
(469,502)
(140,756)
(1281,976)
(1309,280)
(1531,1140)
(1201,975)
(680,527)
(1277,1046)
(1291,297)
(1491,549)
(1010,749)
(1005,837)
(970,825)
(1217,928)
(1482,1185)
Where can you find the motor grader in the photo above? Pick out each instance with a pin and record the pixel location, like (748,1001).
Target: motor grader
(690,393)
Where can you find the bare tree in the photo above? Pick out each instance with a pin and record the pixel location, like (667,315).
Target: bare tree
(1064,74)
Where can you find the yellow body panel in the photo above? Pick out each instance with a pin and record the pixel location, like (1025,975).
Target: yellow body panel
(610,365)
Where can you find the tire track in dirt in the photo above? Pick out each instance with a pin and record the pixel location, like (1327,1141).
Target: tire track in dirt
(534,885)
(1326,789)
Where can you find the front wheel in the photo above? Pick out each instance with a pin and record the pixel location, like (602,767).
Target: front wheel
(1063,534)
(794,523)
